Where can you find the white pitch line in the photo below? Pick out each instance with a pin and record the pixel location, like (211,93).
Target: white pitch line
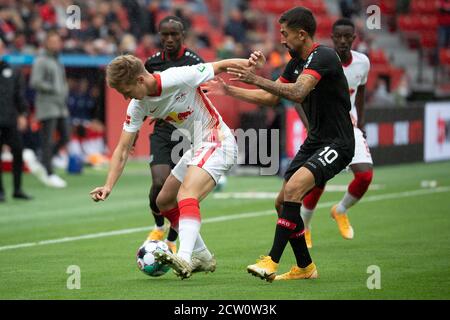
(373,198)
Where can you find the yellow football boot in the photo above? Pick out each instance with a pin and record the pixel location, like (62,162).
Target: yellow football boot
(264,268)
(297,273)
(343,223)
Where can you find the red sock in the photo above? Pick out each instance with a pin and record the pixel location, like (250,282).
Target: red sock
(173,215)
(311,199)
(189,209)
(360,183)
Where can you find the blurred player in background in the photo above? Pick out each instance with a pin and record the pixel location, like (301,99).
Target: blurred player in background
(173,54)
(174,95)
(314,78)
(356,69)
(13,121)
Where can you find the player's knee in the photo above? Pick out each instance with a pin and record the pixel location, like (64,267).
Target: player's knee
(164,201)
(294,191)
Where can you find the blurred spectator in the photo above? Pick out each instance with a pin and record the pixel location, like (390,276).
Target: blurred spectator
(48,78)
(235,26)
(444,24)
(349,8)
(81,103)
(13,112)
(146,47)
(381,95)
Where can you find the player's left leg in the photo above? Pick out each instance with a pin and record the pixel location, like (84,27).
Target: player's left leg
(362,168)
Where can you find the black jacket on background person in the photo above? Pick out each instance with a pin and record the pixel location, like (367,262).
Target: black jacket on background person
(12,99)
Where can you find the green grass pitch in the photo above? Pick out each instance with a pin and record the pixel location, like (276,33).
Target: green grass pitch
(400,227)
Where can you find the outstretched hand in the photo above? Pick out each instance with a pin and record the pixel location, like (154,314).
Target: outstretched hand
(257,60)
(215,87)
(100,193)
(240,73)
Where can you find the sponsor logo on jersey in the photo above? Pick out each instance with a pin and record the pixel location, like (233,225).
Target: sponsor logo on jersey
(201,68)
(179,117)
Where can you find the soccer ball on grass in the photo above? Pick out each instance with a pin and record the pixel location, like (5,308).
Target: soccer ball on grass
(146,260)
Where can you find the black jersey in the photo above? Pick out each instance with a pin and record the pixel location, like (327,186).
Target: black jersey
(327,106)
(160,62)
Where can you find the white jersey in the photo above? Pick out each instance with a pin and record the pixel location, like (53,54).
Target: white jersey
(356,73)
(182,103)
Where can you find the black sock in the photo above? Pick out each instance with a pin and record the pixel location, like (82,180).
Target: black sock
(172,236)
(159,220)
(301,251)
(285,226)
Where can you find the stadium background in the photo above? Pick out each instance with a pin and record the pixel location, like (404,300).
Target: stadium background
(408,108)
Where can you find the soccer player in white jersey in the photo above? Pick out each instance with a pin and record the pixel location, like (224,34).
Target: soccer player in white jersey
(174,96)
(356,69)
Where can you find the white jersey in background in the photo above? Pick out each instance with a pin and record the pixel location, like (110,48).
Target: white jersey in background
(356,73)
(181,102)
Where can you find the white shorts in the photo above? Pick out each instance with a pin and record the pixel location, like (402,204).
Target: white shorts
(216,158)
(362,152)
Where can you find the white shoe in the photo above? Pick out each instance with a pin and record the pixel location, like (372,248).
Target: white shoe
(181,267)
(55,181)
(203,261)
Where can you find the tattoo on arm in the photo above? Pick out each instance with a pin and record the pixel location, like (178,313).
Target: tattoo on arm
(296,92)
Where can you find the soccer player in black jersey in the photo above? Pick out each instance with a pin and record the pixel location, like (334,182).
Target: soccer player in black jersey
(173,54)
(313,77)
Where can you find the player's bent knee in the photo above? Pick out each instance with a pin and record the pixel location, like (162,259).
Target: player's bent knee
(165,201)
(294,191)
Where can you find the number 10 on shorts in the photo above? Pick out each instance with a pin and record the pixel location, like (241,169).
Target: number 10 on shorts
(329,155)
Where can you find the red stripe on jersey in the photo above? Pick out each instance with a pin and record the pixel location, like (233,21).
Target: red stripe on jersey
(158,85)
(212,111)
(312,72)
(207,156)
(284,80)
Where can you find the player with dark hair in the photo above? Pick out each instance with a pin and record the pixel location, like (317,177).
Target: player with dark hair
(356,69)
(173,54)
(314,78)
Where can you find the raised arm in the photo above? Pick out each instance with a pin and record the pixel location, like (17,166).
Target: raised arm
(118,161)
(256,96)
(223,65)
(296,92)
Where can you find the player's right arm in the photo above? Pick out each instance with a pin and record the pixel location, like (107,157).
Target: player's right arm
(135,118)
(118,161)
(256,96)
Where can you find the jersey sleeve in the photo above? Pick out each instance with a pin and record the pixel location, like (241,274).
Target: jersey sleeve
(320,63)
(288,75)
(135,116)
(366,71)
(191,76)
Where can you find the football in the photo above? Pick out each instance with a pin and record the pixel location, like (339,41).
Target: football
(146,260)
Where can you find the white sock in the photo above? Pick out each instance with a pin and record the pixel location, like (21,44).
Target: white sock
(346,203)
(159,228)
(200,247)
(306,217)
(188,232)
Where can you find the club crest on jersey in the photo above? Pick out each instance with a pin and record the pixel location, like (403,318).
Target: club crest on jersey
(181,97)
(179,117)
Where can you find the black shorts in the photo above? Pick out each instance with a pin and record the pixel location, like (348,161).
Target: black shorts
(161,144)
(324,162)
